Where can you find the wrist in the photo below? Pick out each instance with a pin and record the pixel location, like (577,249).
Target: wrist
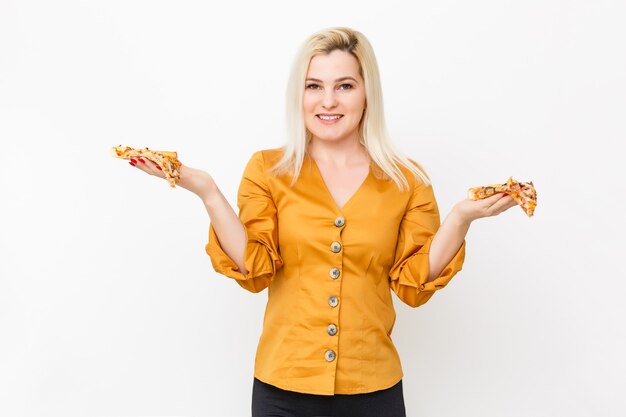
(459,218)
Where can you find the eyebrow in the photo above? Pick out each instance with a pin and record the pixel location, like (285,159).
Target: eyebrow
(338,80)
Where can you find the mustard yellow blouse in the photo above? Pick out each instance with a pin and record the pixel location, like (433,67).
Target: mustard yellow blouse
(329,272)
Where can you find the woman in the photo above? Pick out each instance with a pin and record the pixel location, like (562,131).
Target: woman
(331,223)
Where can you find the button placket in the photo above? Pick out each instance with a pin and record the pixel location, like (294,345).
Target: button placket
(334,273)
(336,246)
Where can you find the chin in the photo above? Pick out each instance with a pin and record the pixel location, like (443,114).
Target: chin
(328,138)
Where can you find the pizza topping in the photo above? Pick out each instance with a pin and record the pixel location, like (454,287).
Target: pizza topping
(166,161)
(523,193)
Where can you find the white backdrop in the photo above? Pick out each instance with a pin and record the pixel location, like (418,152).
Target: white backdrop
(108,302)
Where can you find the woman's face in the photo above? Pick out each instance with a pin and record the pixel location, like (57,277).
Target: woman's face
(334,97)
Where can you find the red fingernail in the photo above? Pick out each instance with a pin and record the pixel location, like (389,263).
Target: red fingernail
(159,167)
(141,160)
(131,163)
(133,160)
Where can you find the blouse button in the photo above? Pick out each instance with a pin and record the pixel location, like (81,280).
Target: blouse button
(335,247)
(334,273)
(333,301)
(340,221)
(331,330)
(330,355)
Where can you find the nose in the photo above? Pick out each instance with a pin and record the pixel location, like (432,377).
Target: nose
(329,100)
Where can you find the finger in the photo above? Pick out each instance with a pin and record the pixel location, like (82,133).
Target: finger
(148,164)
(150,167)
(488,202)
(510,204)
(502,204)
(138,162)
(155,169)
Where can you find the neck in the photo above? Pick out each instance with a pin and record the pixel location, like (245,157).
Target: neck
(338,153)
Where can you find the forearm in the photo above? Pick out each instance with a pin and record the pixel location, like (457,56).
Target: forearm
(228,227)
(446,243)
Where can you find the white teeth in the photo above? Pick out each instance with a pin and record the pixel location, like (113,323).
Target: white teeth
(329,117)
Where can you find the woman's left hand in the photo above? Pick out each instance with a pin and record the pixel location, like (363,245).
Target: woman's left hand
(470,210)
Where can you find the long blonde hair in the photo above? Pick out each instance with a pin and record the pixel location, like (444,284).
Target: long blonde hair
(372,128)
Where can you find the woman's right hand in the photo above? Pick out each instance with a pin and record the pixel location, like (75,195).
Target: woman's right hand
(197,181)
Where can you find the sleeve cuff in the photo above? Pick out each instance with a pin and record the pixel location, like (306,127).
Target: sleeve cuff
(260,262)
(408,280)
(454,266)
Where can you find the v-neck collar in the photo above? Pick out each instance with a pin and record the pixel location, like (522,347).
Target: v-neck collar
(329,194)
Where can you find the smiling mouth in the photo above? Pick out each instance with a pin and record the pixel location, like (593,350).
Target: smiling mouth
(329,117)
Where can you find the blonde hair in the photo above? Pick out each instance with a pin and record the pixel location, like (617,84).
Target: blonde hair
(372,129)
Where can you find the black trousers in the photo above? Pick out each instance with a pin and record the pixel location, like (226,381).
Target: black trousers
(271,401)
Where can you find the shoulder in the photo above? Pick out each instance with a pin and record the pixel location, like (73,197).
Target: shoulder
(416,183)
(416,165)
(267,157)
(261,161)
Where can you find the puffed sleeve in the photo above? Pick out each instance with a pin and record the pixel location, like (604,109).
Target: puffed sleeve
(410,268)
(257,212)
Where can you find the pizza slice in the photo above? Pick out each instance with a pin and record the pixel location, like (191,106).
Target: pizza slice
(167,161)
(523,193)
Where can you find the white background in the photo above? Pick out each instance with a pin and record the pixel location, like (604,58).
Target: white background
(108,302)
